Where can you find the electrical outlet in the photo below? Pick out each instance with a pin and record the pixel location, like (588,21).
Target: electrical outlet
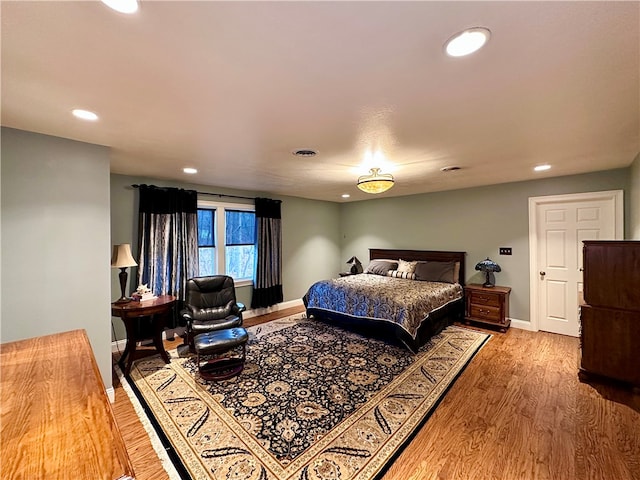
(505,250)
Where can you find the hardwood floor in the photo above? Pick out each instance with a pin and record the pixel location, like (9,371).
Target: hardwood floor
(518,412)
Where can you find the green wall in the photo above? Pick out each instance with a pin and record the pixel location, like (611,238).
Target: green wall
(475,220)
(55,240)
(634,214)
(310,236)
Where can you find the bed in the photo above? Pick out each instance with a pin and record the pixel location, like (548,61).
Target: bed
(393,304)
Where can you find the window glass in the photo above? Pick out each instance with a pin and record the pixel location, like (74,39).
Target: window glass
(234,231)
(239,243)
(206,261)
(240,227)
(206,218)
(240,260)
(206,242)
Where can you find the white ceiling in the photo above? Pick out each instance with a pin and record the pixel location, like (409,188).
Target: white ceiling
(232,88)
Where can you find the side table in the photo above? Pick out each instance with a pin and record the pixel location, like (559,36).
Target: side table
(158,309)
(488,305)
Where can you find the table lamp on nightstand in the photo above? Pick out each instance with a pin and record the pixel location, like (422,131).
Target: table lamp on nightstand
(122,258)
(356,266)
(487,266)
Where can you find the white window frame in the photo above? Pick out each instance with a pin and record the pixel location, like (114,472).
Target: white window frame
(219,226)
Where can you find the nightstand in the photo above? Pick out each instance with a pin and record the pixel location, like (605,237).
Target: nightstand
(488,305)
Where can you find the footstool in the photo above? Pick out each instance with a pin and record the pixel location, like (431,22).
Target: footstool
(216,343)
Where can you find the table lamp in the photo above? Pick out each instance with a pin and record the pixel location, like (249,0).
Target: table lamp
(356,266)
(487,266)
(121,258)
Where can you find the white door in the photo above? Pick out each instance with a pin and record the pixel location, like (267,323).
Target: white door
(562,223)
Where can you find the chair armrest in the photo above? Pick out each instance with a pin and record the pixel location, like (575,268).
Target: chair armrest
(186,315)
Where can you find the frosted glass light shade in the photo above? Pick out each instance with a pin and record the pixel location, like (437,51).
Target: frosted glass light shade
(122,6)
(375,182)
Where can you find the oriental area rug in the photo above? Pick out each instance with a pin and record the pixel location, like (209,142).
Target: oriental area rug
(314,402)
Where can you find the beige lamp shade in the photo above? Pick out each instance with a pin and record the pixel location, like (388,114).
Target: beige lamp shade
(122,257)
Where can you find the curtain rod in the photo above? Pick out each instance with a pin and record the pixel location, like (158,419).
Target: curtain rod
(135,185)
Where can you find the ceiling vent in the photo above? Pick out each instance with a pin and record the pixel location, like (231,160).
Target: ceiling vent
(305,152)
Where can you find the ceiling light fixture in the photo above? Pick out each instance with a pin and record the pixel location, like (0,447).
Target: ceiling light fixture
(85,114)
(542,168)
(190,170)
(345,195)
(375,182)
(466,42)
(122,6)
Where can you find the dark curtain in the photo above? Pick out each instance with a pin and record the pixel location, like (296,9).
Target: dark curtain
(267,289)
(168,241)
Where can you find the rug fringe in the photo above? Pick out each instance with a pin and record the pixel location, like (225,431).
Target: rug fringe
(156,443)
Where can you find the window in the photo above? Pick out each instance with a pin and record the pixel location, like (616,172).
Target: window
(226,240)
(206,242)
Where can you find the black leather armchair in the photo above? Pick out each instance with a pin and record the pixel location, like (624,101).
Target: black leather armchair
(210,305)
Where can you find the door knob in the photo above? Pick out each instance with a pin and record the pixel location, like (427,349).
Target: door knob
(543,273)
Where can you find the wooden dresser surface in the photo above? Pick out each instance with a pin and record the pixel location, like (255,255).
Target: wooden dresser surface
(56,419)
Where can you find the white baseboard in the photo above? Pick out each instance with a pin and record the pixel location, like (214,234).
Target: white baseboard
(522,325)
(119,345)
(111,394)
(275,308)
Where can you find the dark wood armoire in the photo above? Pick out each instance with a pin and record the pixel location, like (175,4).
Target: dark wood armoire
(610,315)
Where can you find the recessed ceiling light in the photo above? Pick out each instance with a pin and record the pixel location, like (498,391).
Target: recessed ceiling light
(85,114)
(467,41)
(122,6)
(542,168)
(305,152)
(190,170)
(345,195)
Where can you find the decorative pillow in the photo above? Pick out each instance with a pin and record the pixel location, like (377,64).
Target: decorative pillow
(456,273)
(381,267)
(404,266)
(399,274)
(437,271)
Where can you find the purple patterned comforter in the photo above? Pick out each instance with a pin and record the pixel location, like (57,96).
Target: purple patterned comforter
(405,302)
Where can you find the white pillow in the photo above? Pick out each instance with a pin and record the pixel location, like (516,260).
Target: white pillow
(408,267)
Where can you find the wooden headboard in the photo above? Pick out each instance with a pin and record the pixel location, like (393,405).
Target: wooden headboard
(422,255)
